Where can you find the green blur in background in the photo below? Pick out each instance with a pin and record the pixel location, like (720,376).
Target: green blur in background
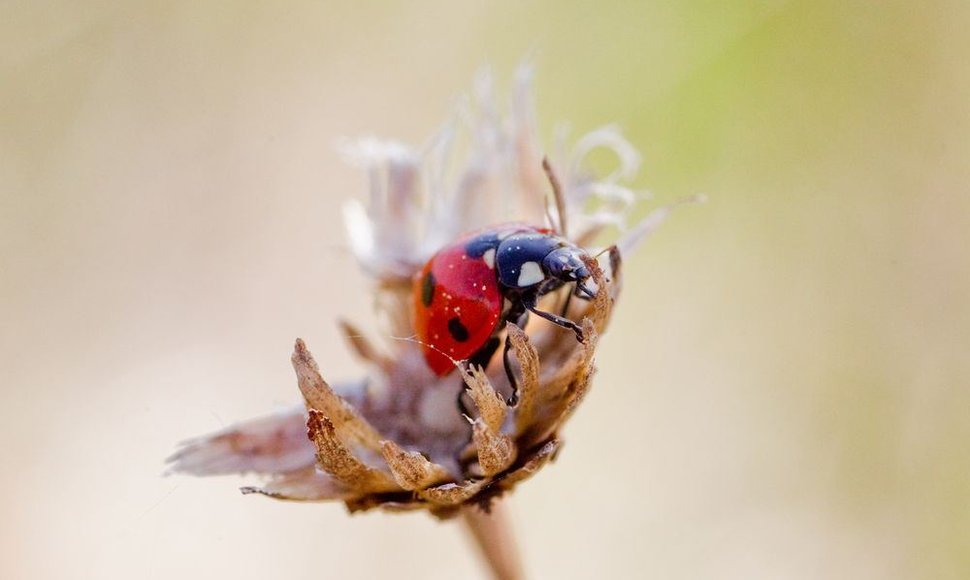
(785,392)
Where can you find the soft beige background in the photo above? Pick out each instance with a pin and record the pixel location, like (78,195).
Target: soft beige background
(785,394)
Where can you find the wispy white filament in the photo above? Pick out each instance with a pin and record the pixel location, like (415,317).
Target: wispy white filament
(481,169)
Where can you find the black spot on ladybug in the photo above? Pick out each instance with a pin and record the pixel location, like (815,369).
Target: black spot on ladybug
(427,289)
(457,330)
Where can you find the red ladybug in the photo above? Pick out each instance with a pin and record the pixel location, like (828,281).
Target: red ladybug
(466,291)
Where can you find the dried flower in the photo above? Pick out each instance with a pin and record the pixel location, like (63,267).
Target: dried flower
(395,439)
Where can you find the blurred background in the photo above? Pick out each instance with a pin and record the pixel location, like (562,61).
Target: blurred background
(785,394)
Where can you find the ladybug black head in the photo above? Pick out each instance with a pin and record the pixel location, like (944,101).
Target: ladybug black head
(566,264)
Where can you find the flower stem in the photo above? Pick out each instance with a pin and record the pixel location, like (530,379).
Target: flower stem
(492,534)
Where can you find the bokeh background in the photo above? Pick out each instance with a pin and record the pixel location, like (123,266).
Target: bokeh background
(785,394)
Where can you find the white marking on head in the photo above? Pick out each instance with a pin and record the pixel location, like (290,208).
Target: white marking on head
(489,258)
(531,274)
(505,234)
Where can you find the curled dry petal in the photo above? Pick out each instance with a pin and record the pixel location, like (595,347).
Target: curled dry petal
(528,359)
(320,397)
(337,460)
(412,470)
(453,494)
(273,444)
(544,455)
(578,382)
(491,406)
(307,484)
(496,450)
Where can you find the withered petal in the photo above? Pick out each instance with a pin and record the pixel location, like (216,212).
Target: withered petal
(562,390)
(321,397)
(491,406)
(452,493)
(581,381)
(410,469)
(307,484)
(529,386)
(541,457)
(271,444)
(334,458)
(496,450)
(602,304)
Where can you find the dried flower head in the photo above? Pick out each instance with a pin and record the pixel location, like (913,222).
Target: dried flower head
(395,439)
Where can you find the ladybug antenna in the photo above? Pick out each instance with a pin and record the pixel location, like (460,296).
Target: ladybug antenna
(603,251)
(557,193)
(615,258)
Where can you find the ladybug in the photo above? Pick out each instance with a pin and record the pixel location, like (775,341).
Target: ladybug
(467,291)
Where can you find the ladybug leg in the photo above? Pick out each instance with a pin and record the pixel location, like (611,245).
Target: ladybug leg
(514,397)
(519,317)
(555,319)
(583,291)
(462,408)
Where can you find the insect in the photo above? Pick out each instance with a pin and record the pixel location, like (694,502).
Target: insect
(467,290)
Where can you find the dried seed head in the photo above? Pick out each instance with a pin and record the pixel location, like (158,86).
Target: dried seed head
(396,440)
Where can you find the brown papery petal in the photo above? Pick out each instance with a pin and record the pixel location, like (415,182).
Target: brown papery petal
(307,484)
(334,458)
(491,405)
(496,450)
(529,386)
(410,469)
(321,397)
(453,493)
(544,455)
(272,444)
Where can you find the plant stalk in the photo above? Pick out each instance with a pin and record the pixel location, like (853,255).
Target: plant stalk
(496,543)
